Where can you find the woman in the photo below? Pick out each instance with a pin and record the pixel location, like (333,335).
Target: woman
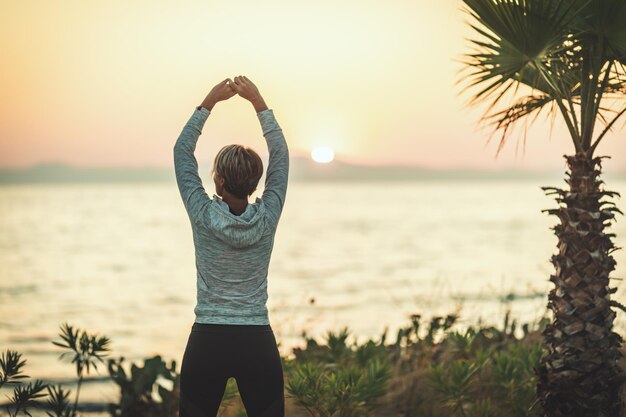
(231,335)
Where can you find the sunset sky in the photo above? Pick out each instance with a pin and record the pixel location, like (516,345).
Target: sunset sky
(112,83)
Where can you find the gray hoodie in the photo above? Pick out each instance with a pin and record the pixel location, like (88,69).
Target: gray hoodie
(232,252)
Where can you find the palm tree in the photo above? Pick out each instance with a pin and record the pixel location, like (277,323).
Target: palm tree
(571,53)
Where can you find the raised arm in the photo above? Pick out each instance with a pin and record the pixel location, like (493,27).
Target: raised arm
(277,174)
(276,177)
(189,183)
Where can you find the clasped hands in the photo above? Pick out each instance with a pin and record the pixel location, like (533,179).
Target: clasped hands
(238,85)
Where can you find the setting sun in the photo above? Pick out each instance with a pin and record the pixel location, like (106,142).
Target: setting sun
(322,155)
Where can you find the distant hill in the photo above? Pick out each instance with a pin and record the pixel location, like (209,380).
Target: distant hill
(307,170)
(301,169)
(55,173)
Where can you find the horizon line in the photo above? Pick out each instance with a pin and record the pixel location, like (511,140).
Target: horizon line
(337,161)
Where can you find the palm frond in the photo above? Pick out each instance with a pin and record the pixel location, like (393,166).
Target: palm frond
(526,37)
(558,48)
(525,106)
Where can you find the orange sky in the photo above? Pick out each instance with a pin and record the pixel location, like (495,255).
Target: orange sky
(112,83)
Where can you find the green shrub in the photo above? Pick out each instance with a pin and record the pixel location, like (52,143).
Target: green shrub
(337,380)
(138,389)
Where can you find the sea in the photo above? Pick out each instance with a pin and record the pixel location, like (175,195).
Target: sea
(117,259)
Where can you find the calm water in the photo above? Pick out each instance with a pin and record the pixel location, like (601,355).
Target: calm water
(118,259)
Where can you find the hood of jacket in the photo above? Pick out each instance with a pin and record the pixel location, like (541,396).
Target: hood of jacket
(237,231)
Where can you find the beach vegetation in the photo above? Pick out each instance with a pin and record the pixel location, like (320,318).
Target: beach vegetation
(431,367)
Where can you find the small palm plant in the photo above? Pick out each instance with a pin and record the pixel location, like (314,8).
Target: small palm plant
(11,364)
(86,350)
(568,55)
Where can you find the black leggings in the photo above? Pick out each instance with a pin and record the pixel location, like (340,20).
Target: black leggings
(216,352)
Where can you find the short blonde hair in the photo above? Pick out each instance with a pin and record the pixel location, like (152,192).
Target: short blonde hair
(241,168)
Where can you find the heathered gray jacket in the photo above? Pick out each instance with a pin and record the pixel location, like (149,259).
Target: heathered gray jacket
(232,252)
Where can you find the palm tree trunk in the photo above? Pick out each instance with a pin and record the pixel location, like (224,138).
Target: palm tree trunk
(579,374)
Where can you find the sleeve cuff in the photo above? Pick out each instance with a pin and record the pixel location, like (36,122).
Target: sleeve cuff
(268,121)
(199,117)
(203,110)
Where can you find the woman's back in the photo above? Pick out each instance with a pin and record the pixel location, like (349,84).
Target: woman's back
(232,261)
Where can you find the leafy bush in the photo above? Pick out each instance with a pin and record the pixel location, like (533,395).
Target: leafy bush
(138,391)
(337,380)
(487,371)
